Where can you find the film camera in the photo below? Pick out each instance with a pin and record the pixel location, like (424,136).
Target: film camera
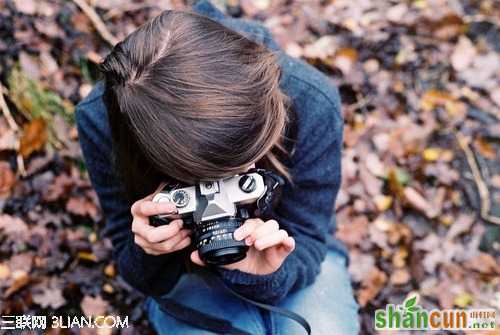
(215,209)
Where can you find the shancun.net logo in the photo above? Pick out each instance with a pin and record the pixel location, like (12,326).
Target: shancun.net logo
(410,316)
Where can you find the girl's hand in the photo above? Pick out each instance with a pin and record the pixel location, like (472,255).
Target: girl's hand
(157,240)
(269,247)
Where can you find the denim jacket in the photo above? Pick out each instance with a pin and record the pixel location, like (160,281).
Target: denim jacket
(306,209)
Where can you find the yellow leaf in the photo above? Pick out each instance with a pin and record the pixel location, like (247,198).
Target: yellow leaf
(382,202)
(446,220)
(88,256)
(108,288)
(435,98)
(109,270)
(431,154)
(463,300)
(399,258)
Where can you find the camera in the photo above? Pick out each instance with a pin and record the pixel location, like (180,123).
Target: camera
(213,210)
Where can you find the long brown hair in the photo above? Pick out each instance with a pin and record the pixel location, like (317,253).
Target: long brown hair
(191,99)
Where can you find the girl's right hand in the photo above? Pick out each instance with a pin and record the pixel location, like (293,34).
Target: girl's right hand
(157,240)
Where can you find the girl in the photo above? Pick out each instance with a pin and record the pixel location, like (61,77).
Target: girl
(195,96)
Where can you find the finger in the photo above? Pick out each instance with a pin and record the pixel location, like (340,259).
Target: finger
(289,244)
(195,258)
(182,244)
(165,232)
(140,241)
(144,245)
(246,229)
(267,228)
(140,226)
(151,251)
(275,238)
(147,208)
(167,246)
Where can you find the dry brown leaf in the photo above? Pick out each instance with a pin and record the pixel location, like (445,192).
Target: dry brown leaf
(352,233)
(93,306)
(485,148)
(345,58)
(462,225)
(483,263)
(419,202)
(49,297)
(371,286)
(13,227)
(7,179)
(400,277)
(26,6)
(463,54)
(33,138)
(8,140)
(21,280)
(110,270)
(82,206)
(4,271)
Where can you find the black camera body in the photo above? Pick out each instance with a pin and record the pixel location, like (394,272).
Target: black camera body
(213,210)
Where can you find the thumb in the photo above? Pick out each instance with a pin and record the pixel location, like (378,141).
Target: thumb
(195,258)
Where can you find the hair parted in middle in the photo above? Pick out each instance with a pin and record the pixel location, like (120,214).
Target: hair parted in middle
(195,99)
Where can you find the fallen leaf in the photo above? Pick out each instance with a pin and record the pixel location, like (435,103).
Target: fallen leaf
(382,202)
(345,58)
(33,138)
(8,140)
(463,300)
(93,306)
(371,286)
(419,202)
(485,148)
(82,206)
(400,277)
(49,297)
(7,179)
(13,227)
(21,279)
(324,47)
(353,232)
(110,270)
(461,225)
(483,263)
(431,154)
(26,6)
(463,54)
(4,271)
(87,256)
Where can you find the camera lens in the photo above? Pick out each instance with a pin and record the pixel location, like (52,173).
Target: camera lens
(215,243)
(180,198)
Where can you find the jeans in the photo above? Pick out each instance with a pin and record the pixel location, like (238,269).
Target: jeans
(328,305)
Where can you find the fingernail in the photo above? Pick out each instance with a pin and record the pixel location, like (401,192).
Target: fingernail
(237,235)
(248,241)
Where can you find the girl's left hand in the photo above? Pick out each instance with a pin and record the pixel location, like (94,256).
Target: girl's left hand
(269,247)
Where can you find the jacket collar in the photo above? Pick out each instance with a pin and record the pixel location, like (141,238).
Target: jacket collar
(250,29)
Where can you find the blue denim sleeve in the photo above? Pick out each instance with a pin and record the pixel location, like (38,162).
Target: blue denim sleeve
(152,275)
(306,209)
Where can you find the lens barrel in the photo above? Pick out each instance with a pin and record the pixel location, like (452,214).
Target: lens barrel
(215,243)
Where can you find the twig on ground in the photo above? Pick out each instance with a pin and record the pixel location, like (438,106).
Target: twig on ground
(5,110)
(97,22)
(484,193)
(13,125)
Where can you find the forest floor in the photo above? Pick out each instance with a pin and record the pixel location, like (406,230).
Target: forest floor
(419,206)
